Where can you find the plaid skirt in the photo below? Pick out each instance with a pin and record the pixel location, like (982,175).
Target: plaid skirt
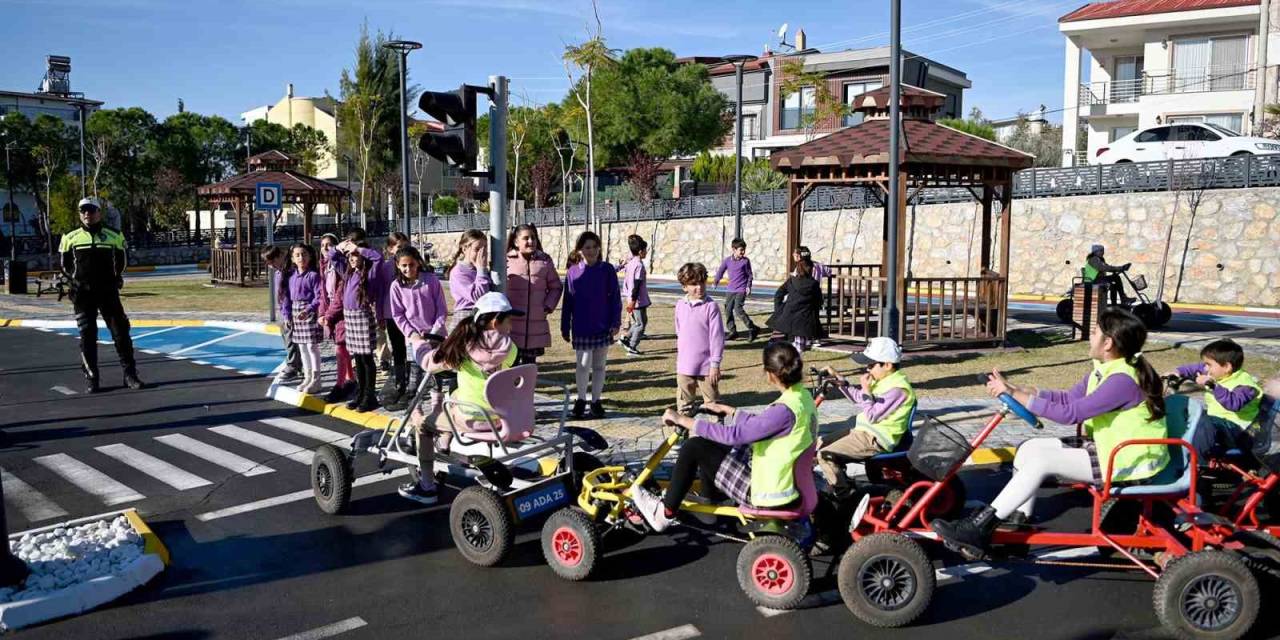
(590,343)
(361,330)
(734,475)
(304,331)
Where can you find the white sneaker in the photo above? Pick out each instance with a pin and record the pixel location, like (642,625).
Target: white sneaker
(651,509)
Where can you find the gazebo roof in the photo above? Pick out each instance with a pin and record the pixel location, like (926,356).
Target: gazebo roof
(275,167)
(923,142)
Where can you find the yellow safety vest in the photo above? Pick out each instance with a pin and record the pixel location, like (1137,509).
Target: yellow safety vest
(471,381)
(890,429)
(1137,462)
(1249,412)
(773,461)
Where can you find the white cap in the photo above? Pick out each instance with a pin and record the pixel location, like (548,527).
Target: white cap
(879,350)
(494,302)
(88,201)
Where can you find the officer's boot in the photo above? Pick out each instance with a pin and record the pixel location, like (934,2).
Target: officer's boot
(89,364)
(131,371)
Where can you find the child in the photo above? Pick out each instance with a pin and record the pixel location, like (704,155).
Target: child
(1121,399)
(359,305)
(885,398)
(390,340)
(273,257)
(699,341)
(753,458)
(1232,397)
(738,265)
(797,304)
(417,308)
(534,287)
(330,313)
(469,275)
(300,306)
(477,348)
(590,318)
(635,291)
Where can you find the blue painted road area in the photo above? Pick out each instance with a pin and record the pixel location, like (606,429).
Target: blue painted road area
(247,352)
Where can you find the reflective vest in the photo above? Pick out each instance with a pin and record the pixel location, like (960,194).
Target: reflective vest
(1088,272)
(93,260)
(890,429)
(773,461)
(1249,412)
(1137,462)
(471,381)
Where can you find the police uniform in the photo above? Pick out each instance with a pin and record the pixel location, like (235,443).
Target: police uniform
(93,259)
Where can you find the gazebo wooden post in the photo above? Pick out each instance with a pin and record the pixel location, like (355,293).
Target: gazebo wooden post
(235,207)
(984,260)
(307,210)
(1006,228)
(248,222)
(793,224)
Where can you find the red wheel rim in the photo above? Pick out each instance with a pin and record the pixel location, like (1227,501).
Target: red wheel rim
(773,574)
(943,502)
(567,546)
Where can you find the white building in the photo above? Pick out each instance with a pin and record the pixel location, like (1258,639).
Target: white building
(1005,129)
(1160,61)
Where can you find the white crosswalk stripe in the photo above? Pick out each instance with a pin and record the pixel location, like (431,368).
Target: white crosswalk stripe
(307,430)
(33,505)
(89,479)
(154,467)
(266,443)
(210,453)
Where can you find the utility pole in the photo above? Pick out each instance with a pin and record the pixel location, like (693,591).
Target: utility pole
(889,318)
(738,61)
(498,180)
(13,208)
(403,47)
(83,192)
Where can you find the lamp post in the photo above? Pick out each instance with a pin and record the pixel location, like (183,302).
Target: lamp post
(83,192)
(13,208)
(403,47)
(889,321)
(738,60)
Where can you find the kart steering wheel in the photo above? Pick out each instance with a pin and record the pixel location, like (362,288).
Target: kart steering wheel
(1018,410)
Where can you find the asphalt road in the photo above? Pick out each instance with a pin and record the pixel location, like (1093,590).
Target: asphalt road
(389,569)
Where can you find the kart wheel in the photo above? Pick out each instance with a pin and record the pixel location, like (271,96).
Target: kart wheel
(831,518)
(1118,517)
(1207,594)
(1163,314)
(481,526)
(1065,309)
(886,580)
(947,504)
(1262,554)
(774,572)
(1147,313)
(571,544)
(331,477)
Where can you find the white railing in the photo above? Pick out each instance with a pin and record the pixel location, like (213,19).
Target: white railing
(1192,80)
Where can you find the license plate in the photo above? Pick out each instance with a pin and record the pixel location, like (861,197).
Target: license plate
(540,499)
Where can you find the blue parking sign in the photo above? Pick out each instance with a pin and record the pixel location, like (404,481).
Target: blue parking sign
(267,196)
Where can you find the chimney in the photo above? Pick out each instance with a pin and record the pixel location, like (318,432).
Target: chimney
(288,90)
(800,40)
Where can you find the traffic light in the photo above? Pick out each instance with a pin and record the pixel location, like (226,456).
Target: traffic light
(456,110)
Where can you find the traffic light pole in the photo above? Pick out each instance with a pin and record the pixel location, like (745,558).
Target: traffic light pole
(498,180)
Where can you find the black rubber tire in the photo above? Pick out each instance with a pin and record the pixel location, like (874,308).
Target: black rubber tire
(481,526)
(1202,577)
(571,544)
(1064,310)
(774,559)
(1118,517)
(886,555)
(1262,554)
(331,478)
(947,505)
(1146,313)
(1164,313)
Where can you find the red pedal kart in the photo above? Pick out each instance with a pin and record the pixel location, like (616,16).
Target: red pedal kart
(1203,586)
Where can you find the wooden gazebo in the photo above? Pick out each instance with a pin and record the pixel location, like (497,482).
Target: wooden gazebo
(934,310)
(241,264)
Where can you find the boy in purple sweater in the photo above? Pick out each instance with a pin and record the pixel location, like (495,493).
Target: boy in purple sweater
(635,295)
(1232,397)
(738,266)
(699,341)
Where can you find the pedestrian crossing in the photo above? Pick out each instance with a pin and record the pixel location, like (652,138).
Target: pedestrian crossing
(57,485)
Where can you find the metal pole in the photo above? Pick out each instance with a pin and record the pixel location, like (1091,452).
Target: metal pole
(404,147)
(83,192)
(13,209)
(737,159)
(498,181)
(889,319)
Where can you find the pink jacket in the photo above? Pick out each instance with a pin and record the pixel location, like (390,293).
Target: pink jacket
(533,286)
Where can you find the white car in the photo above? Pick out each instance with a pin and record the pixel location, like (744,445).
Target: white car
(1183,141)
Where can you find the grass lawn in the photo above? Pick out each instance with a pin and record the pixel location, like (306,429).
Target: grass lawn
(191,294)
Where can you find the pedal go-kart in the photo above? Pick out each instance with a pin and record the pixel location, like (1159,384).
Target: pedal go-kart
(1153,313)
(773,567)
(1203,586)
(508,476)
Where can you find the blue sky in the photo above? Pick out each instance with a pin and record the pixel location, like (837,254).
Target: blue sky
(228,56)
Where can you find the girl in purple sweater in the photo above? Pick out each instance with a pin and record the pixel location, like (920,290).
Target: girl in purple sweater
(469,276)
(590,318)
(417,303)
(359,313)
(300,308)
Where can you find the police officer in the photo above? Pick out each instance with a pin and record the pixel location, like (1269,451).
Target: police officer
(1096,269)
(93,261)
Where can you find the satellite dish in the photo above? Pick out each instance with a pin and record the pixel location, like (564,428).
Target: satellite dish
(782,31)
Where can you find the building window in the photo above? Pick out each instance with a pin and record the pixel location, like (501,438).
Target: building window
(1233,122)
(750,126)
(851,91)
(798,108)
(1120,132)
(1219,63)
(1126,79)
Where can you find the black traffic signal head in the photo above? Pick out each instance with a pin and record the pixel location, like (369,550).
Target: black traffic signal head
(456,110)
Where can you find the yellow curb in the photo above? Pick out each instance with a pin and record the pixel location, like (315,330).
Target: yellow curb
(140,269)
(271,328)
(167,323)
(340,411)
(994,455)
(1185,306)
(5,322)
(151,541)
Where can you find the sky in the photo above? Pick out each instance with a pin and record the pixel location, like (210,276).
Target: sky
(228,56)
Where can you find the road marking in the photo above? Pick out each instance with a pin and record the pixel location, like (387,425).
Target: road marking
(89,479)
(151,352)
(224,367)
(267,443)
(810,601)
(156,332)
(63,390)
(208,342)
(328,630)
(308,430)
(674,633)
(295,497)
(210,453)
(154,467)
(33,504)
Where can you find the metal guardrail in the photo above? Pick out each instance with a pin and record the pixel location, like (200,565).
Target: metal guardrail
(1234,77)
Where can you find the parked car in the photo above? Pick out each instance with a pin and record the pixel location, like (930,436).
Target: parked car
(1183,141)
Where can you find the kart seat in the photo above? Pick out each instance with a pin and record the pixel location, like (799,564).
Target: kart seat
(1183,417)
(510,393)
(808,493)
(899,452)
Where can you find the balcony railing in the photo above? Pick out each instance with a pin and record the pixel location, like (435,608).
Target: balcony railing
(1235,77)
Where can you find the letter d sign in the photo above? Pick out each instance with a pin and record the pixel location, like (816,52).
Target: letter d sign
(268,196)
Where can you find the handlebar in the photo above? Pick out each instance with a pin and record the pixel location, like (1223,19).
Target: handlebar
(1018,410)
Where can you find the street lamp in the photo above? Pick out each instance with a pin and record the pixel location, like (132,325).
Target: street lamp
(351,199)
(403,47)
(12,209)
(889,319)
(738,60)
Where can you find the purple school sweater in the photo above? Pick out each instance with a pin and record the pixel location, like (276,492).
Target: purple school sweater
(303,287)
(775,421)
(740,275)
(467,284)
(699,336)
(1230,399)
(1074,406)
(419,307)
(634,284)
(592,306)
(372,292)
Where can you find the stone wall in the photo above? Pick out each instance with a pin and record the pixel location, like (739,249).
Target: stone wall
(138,257)
(1233,256)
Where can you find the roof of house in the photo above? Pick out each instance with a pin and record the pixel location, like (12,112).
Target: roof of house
(1124,8)
(923,142)
(53,97)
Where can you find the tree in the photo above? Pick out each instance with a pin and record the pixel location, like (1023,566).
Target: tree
(760,176)
(202,149)
(642,174)
(370,91)
(63,212)
(308,146)
(588,57)
(51,143)
(1271,122)
(1045,145)
(826,105)
(978,128)
(717,169)
(122,143)
(541,176)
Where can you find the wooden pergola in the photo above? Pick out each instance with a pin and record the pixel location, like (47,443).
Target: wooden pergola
(241,265)
(934,310)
